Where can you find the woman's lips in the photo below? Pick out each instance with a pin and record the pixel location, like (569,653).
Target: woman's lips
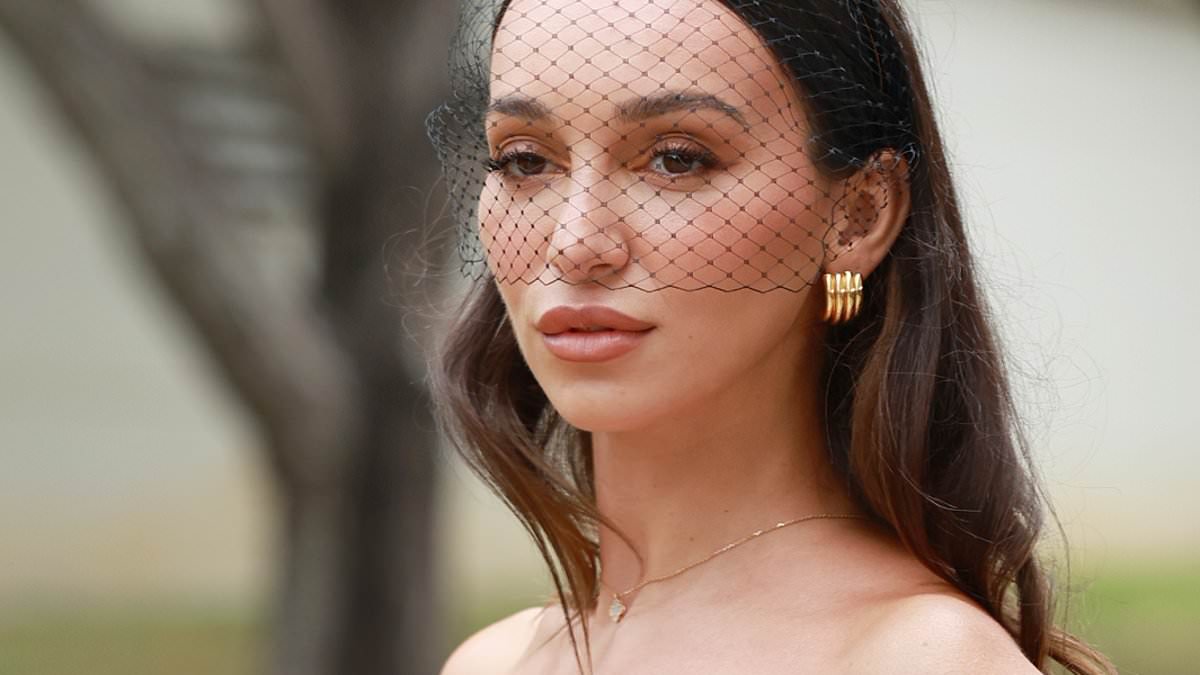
(592,346)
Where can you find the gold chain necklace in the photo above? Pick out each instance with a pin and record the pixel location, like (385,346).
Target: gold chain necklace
(618,608)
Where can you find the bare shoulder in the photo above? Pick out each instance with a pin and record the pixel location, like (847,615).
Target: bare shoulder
(936,633)
(497,648)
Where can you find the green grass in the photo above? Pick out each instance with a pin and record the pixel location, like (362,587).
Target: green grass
(1145,616)
(126,641)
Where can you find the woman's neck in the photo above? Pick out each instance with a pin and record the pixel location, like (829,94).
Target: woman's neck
(694,483)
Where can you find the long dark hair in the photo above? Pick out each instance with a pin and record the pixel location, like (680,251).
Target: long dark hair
(919,414)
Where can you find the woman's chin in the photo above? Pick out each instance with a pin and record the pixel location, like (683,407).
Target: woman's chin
(601,414)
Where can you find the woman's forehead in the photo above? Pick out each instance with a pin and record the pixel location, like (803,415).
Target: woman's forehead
(589,54)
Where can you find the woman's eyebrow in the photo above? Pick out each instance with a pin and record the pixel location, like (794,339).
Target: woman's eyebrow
(646,107)
(519,106)
(633,110)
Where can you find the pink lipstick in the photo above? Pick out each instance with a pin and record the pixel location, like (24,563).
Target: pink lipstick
(590,333)
(591,346)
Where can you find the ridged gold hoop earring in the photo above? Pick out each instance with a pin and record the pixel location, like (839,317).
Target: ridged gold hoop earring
(843,296)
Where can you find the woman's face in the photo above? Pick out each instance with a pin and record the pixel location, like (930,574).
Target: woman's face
(651,145)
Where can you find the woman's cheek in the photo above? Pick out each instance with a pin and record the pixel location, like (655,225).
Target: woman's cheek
(514,229)
(758,233)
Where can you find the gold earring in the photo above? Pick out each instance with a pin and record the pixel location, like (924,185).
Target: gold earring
(843,296)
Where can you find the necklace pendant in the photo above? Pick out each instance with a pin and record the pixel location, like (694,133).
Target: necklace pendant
(616,611)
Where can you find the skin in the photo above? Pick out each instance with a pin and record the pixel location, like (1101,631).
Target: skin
(711,428)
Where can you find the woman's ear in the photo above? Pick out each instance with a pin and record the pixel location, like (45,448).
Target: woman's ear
(871,207)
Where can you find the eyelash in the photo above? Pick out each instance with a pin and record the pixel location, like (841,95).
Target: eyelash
(498,164)
(687,153)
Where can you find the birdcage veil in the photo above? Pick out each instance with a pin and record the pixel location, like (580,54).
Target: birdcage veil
(652,144)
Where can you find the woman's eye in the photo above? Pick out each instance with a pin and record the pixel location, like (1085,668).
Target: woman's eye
(519,164)
(681,161)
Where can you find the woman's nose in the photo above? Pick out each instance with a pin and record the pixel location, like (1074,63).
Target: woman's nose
(589,240)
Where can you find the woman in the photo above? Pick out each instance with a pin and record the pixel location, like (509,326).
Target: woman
(727,361)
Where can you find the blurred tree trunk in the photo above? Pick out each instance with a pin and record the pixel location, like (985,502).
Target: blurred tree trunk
(268,186)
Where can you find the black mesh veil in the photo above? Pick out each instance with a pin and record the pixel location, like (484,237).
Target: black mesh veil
(655,144)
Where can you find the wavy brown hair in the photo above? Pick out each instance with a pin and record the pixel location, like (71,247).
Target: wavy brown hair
(919,415)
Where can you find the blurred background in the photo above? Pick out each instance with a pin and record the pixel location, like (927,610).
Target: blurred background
(214,458)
